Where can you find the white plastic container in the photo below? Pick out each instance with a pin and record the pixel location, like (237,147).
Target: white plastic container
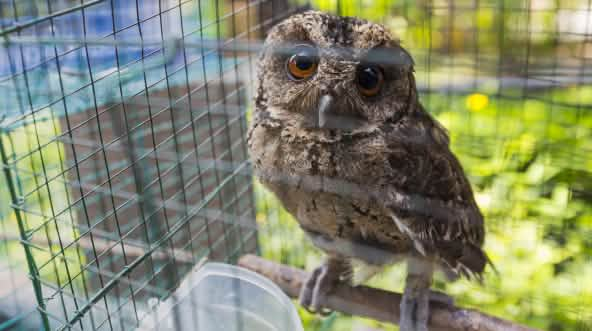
(221,297)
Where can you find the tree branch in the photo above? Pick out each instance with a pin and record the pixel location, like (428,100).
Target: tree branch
(378,304)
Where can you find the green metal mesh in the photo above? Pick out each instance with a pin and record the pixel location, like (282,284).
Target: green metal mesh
(123,154)
(122,145)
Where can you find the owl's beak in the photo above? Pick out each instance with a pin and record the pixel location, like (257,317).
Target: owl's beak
(329,116)
(324,110)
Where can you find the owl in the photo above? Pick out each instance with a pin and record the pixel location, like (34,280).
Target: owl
(340,137)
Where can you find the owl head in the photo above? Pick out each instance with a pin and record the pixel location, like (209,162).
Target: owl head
(332,72)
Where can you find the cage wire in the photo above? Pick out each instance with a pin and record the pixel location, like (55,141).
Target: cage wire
(123,127)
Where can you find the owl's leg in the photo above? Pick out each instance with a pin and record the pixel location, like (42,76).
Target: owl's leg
(320,282)
(415,303)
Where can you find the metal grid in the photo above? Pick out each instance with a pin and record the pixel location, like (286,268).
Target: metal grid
(123,125)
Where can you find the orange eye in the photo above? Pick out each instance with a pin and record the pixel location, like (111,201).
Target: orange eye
(370,80)
(303,63)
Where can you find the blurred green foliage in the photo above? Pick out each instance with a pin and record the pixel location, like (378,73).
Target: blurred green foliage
(35,156)
(528,156)
(498,27)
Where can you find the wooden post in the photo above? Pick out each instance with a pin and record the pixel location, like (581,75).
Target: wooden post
(106,201)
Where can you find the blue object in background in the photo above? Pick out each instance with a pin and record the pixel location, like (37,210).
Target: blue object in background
(33,78)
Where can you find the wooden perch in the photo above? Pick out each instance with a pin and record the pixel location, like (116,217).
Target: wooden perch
(378,304)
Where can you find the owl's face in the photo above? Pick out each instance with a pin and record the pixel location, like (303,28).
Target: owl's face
(334,72)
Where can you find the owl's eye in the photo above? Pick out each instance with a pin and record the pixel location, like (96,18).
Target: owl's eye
(303,62)
(370,79)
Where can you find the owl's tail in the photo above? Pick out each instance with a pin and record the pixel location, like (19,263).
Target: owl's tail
(464,259)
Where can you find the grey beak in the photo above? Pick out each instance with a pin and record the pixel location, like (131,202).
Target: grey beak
(324,110)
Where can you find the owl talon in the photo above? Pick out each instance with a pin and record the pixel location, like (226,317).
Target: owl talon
(441,298)
(415,311)
(313,294)
(325,312)
(306,292)
(415,304)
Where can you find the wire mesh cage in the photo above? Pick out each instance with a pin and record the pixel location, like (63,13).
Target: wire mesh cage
(122,137)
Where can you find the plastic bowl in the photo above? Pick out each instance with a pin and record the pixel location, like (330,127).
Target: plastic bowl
(222,297)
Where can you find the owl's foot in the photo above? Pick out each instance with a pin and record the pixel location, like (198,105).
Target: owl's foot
(441,298)
(415,311)
(415,304)
(314,291)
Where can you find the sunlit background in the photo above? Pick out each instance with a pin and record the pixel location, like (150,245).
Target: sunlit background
(114,157)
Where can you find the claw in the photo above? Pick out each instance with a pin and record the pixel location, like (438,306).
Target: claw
(415,304)
(325,312)
(415,311)
(314,291)
(306,292)
(441,298)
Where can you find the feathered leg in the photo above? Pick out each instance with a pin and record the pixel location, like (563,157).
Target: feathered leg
(415,303)
(321,281)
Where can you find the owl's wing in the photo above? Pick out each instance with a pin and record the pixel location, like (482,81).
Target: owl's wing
(429,197)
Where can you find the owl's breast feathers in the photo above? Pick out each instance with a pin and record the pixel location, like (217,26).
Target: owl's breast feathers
(402,172)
